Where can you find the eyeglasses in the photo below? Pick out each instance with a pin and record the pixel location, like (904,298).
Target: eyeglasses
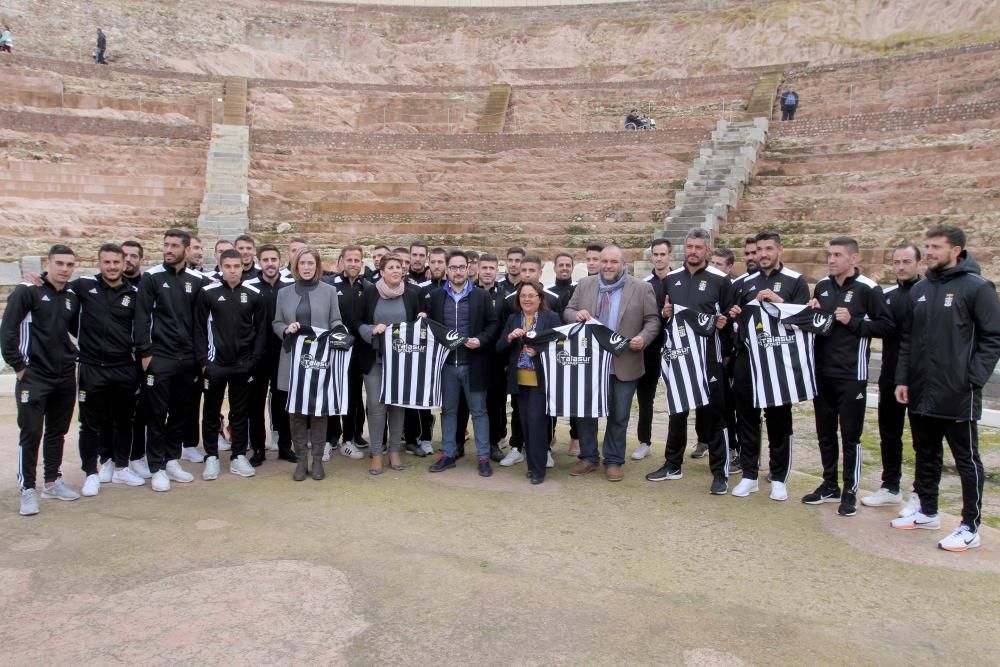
(458,268)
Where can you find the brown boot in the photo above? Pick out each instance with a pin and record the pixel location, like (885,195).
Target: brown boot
(317,469)
(582,467)
(300,464)
(614,473)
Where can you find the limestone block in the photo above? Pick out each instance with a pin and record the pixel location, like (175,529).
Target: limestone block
(31,264)
(10,273)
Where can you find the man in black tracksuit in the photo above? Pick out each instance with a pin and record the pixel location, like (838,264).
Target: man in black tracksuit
(133,253)
(645,390)
(947,354)
(265,377)
(230,338)
(36,343)
(109,376)
(707,290)
(772,282)
(842,369)
(892,413)
(165,343)
(496,387)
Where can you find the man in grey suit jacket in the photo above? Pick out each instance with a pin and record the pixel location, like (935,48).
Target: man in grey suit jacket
(627,305)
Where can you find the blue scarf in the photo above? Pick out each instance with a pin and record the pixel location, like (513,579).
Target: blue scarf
(608,298)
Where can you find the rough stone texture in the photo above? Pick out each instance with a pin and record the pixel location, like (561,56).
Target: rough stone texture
(10,273)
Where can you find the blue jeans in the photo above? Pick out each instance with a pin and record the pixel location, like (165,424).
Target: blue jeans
(619,409)
(453,380)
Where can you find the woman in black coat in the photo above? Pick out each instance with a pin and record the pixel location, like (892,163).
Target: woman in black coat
(525,379)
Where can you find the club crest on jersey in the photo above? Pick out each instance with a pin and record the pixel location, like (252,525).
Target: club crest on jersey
(702,285)
(82,396)
(187,286)
(150,380)
(682,331)
(243,298)
(777,287)
(564,358)
(309,362)
(948,298)
(69,304)
(126,301)
(207,384)
(848,296)
(25,396)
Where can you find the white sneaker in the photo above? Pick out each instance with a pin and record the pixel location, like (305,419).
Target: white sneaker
(426,447)
(549,462)
(962,539)
(513,456)
(912,505)
(59,491)
(916,520)
(272,444)
(29,502)
(92,485)
(211,470)
(161,482)
(140,468)
(779,491)
(327,451)
(881,498)
(105,472)
(178,474)
(746,487)
(192,454)
(350,451)
(128,477)
(641,452)
(240,466)
(224,445)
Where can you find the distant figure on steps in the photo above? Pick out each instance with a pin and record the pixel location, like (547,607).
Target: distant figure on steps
(102,45)
(789,103)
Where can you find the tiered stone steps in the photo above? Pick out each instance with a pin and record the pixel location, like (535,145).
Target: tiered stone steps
(495,114)
(234,102)
(761,102)
(226,202)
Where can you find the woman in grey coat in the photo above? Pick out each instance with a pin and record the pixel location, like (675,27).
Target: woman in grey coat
(308,302)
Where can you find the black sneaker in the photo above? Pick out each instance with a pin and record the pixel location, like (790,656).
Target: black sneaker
(414,448)
(443,463)
(485,469)
(258,458)
(720,485)
(848,505)
(822,494)
(700,449)
(496,453)
(360,442)
(664,473)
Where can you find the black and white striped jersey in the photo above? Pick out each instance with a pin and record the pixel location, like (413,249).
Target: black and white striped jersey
(780,343)
(576,365)
(317,385)
(684,358)
(413,354)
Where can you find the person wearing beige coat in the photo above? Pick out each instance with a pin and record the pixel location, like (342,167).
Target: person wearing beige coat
(627,305)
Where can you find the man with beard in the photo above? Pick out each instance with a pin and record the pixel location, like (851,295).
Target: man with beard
(417,272)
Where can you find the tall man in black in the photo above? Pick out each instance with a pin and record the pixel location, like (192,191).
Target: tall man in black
(892,413)
(842,369)
(35,337)
(947,353)
(265,377)
(496,386)
(133,253)
(659,252)
(229,339)
(108,373)
(707,290)
(165,343)
(775,283)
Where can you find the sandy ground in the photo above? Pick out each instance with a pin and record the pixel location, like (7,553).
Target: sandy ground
(413,568)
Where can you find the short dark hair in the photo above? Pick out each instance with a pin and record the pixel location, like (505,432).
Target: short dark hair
(245,237)
(726,254)
(515,250)
(110,247)
(402,251)
(537,286)
(441,251)
(699,233)
(594,247)
(60,249)
(232,253)
(562,254)
(195,237)
(297,239)
(381,247)
(453,254)
(954,235)
(846,242)
(352,248)
(136,245)
(909,246)
(390,257)
(662,241)
(750,240)
(488,257)
(417,244)
(532,259)
(767,236)
(268,247)
(221,242)
(472,255)
(184,236)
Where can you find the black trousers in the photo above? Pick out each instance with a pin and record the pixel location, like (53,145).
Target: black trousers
(788,113)
(138,449)
(44,407)
(748,431)
(645,392)
(265,383)
(891,417)
(192,434)
(963,439)
(167,386)
(496,407)
(840,403)
(418,425)
(536,427)
(351,425)
(239,381)
(715,431)
(107,405)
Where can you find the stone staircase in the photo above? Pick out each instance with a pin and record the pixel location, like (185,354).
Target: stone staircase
(715,181)
(495,114)
(226,200)
(761,102)
(234,103)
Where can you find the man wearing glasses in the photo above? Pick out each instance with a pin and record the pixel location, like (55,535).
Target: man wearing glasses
(467,309)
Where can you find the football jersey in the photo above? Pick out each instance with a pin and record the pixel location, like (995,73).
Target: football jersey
(413,354)
(317,385)
(683,359)
(780,343)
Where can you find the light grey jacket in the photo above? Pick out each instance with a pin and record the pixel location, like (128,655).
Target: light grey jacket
(325,306)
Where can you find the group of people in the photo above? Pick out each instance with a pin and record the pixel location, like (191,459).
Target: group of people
(144,354)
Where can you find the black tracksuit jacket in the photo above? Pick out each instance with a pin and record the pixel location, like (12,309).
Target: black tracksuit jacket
(107,317)
(36,329)
(897,298)
(230,326)
(164,314)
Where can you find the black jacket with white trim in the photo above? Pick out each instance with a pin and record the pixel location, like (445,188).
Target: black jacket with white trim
(844,354)
(107,319)
(36,329)
(164,314)
(230,325)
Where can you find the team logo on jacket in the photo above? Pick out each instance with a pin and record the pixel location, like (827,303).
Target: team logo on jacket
(126,301)
(703,320)
(25,396)
(702,285)
(848,296)
(243,298)
(207,384)
(150,380)
(948,298)
(82,396)
(187,286)
(452,336)
(309,362)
